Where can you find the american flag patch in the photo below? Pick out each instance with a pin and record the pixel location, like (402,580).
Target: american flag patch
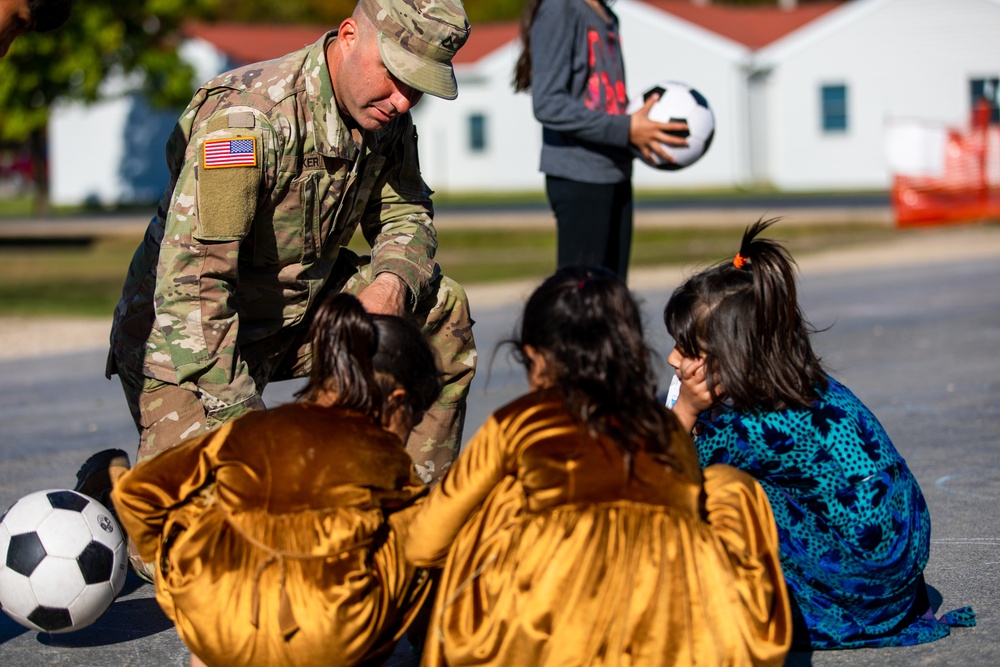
(237,152)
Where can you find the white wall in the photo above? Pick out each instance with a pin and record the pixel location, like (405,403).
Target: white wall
(898,58)
(114,151)
(84,152)
(509,161)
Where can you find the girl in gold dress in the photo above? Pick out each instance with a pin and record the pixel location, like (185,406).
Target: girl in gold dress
(277,537)
(576,527)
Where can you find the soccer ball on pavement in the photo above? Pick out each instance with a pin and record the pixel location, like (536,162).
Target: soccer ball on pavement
(63,560)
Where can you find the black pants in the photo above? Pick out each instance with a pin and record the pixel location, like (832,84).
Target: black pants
(593,222)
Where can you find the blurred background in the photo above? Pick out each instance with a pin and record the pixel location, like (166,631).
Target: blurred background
(889,105)
(823,95)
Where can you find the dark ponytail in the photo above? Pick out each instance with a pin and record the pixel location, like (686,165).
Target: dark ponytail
(522,70)
(344,341)
(586,323)
(405,359)
(743,316)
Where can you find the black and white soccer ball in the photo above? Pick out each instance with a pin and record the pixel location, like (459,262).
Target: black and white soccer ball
(63,560)
(679,102)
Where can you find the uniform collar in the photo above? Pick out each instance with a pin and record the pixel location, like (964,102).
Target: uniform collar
(331,136)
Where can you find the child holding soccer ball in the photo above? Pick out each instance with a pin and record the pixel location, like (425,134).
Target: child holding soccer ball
(571,61)
(853,524)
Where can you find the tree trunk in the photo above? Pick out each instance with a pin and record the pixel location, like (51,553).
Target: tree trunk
(40,171)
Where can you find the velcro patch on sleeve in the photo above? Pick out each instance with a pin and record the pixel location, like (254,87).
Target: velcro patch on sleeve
(241,119)
(227,196)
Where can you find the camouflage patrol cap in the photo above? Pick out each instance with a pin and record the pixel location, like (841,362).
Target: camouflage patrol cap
(417,40)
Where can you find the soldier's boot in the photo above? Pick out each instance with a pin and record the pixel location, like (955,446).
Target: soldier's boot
(96,477)
(99,474)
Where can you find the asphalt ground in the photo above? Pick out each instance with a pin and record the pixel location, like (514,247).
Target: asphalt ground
(912,326)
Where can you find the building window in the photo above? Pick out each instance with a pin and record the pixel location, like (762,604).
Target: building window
(477,133)
(987,90)
(834,102)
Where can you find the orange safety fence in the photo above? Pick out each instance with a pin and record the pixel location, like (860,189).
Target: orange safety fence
(967,188)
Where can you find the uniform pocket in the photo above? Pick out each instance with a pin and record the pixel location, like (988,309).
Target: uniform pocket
(310,219)
(162,402)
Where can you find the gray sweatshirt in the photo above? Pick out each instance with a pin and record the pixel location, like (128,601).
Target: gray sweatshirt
(578,93)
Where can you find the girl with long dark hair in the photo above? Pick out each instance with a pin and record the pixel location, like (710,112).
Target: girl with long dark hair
(277,538)
(576,526)
(854,527)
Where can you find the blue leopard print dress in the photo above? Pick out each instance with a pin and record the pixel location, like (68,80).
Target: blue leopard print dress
(852,523)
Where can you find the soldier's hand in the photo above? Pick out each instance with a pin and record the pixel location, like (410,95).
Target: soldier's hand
(385,296)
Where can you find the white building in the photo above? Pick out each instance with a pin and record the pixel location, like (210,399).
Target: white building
(114,151)
(801,96)
(829,89)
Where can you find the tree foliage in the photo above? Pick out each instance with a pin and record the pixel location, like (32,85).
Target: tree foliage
(331,12)
(106,37)
(107,47)
(102,38)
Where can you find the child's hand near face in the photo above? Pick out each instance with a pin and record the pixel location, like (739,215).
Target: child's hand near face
(695,396)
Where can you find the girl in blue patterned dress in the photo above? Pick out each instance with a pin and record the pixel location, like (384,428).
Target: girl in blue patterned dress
(853,525)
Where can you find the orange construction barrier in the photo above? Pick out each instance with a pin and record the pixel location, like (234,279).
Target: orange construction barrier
(968,189)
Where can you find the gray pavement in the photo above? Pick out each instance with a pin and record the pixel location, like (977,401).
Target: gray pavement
(917,338)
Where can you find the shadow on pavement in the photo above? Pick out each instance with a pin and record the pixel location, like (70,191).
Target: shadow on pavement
(9,629)
(125,620)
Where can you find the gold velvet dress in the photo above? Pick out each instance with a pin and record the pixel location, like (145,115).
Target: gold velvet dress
(553,554)
(278,537)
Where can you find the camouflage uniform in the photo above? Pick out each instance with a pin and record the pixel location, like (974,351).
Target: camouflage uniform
(219,294)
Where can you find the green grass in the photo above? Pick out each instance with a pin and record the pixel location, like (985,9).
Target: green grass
(52,279)
(16,207)
(691,246)
(86,279)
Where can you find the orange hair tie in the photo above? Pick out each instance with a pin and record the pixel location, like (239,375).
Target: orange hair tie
(739,261)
